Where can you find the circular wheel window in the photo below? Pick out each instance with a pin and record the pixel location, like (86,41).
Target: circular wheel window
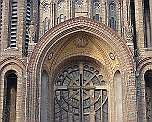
(80,95)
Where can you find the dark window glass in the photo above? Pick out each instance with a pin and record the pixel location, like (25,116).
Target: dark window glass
(80,95)
(10,92)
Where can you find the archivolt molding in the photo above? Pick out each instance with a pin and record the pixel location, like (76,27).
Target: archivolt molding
(11,60)
(80,24)
(144,65)
(11,64)
(68,27)
(68,49)
(95,49)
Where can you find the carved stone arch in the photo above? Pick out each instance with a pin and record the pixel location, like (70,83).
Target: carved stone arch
(13,60)
(112,15)
(80,40)
(56,34)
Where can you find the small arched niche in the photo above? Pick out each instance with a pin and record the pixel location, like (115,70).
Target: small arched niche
(10,95)
(44,96)
(118,95)
(148,94)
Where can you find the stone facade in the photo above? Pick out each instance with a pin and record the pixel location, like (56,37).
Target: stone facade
(108,34)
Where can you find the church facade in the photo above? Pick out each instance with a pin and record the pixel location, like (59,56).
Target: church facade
(75,61)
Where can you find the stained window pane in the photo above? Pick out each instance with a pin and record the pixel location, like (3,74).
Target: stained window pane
(76,98)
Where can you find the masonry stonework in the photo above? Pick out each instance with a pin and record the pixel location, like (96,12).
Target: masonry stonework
(59,35)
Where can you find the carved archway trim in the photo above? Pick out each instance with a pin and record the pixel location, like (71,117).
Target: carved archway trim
(60,31)
(75,25)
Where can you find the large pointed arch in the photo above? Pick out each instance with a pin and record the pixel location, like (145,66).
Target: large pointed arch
(64,29)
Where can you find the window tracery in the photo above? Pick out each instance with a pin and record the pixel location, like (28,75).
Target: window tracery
(79,7)
(97,4)
(80,95)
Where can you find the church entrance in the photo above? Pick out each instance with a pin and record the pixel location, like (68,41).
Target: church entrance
(80,94)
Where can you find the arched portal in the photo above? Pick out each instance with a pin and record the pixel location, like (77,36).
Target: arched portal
(80,92)
(80,37)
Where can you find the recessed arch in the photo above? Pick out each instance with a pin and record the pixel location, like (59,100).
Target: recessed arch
(56,34)
(18,67)
(10,96)
(62,30)
(81,58)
